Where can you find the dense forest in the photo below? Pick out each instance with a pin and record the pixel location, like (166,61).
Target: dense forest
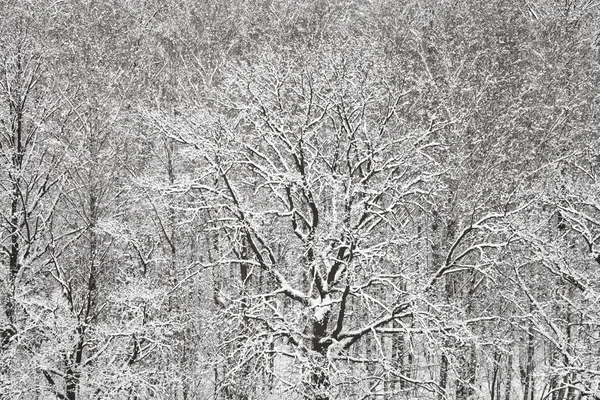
(321,199)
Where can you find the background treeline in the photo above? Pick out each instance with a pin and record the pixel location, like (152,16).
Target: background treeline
(318,200)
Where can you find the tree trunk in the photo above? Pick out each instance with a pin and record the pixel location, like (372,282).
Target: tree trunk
(443,376)
(319,379)
(319,376)
(466,378)
(398,350)
(16,107)
(509,375)
(527,369)
(495,386)
(73,374)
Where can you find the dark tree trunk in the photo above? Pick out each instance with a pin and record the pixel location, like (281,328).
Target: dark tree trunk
(496,381)
(73,374)
(509,374)
(16,107)
(527,370)
(443,376)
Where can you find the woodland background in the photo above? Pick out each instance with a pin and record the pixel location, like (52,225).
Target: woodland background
(318,199)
